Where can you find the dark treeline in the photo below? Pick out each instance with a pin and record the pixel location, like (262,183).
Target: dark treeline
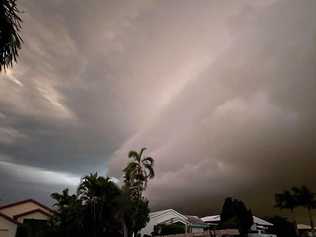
(294,198)
(100,207)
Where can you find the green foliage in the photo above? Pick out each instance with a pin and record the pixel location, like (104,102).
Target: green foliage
(99,208)
(137,215)
(304,197)
(10,39)
(137,173)
(282,227)
(307,199)
(297,197)
(93,211)
(236,215)
(286,200)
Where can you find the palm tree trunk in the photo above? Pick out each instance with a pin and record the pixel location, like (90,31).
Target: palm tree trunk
(125,231)
(294,222)
(310,215)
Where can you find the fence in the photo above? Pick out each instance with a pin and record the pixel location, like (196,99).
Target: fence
(216,233)
(204,234)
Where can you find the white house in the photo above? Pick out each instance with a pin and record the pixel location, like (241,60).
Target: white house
(259,228)
(13,214)
(304,230)
(192,224)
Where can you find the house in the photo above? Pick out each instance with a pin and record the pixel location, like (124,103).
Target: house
(8,226)
(191,224)
(11,215)
(196,224)
(304,230)
(259,229)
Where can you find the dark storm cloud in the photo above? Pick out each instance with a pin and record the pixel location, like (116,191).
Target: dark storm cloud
(222,94)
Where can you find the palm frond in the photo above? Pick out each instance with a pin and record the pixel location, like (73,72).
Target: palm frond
(10,39)
(150,173)
(133,154)
(142,151)
(148,160)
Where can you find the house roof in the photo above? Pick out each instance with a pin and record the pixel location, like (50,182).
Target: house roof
(191,220)
(260,221)
(196,221)
(26,201)
(8,218)
(303,227)
(217,218)
(32,211)
(167,211)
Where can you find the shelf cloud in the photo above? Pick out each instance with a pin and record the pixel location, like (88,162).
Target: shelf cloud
(222,93)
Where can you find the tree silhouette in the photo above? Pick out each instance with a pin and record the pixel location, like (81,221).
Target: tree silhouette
(282,227)
(94,211)
(236,215)
(136,176)
(10,39)
(306,198)
(286,200)
(137,173)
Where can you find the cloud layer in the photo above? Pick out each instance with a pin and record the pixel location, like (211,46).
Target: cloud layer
(221,93)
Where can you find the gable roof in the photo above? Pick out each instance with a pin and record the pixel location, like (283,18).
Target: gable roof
(8,218)
(215,218)
(26,201)
(167,211)
(260,221)
(32,211)
(196,221)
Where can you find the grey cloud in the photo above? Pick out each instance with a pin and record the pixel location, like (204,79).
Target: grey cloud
(222,94)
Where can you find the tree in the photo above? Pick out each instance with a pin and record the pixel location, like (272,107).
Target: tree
(68,218)
(286,200)
(137,215)
(137,173)
(93,211)
(282,227)
(236,215)
(101,208)
(307,199)
(10,39)
(99,196)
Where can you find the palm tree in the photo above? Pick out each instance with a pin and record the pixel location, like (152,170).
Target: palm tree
(287,200)
(137,173)
(10,39)
(99,196)
(306,199)
(67,220)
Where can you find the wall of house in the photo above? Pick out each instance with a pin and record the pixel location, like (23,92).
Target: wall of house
(157,220)
(197,230)
(34,216)
(7,228)
(21,208)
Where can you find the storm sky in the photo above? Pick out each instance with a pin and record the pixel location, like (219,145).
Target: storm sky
(222,93)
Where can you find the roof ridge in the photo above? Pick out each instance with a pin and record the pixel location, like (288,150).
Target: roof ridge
(25,201)
(8,218)
(31,211)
